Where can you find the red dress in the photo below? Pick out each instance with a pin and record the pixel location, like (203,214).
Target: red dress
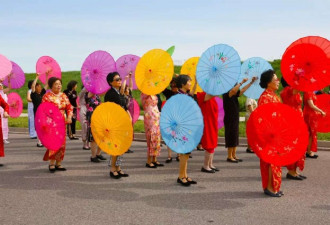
(210,115)
(63,103)
(310,118)
(5,106)
(270,97)
(293,100)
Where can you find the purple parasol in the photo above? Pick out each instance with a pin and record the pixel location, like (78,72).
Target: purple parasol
(17,77)
(95,70)
(126,64)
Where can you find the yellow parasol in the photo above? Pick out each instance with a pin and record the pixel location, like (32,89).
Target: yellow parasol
(112,128)
(189,68)
(154,72)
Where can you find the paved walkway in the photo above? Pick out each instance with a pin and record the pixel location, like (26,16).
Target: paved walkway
(85,194)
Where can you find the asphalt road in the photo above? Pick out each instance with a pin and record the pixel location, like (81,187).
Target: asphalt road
(85,194)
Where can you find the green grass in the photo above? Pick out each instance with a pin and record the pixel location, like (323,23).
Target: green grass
(139,127)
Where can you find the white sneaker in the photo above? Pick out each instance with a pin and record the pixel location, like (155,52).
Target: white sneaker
(6,142)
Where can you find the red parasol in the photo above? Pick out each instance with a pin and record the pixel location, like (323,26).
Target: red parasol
(277,133)
(47,64)
(323,122)
(17,77)
(15,105)
(306,63)
(50,126)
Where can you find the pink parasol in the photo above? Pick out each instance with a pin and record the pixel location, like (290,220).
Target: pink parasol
(17,77)
(221,114)
(47,64)
(50,125)
(15,105)
(136,111)
(126,64)
(5,67)
(95,70)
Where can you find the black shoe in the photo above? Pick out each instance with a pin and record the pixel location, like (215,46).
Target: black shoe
(150,166)
(168,160)
(302,176)
(59,168)
(52,170)
(129,151)
(112,175)
(249,150)
(289,176)
(232,160)
(207,171)
(1,165)
(215,169)
(95,159)
(191,181)
(190,156)
(200,149)
(34,138)
(39,145)
(101,157)
(157,164)
(311,156)
(122,174)
(186,184)
(86,148)
(267,192)
(239,160)
(177,158)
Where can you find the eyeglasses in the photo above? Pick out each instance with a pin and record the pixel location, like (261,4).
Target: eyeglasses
(118,79)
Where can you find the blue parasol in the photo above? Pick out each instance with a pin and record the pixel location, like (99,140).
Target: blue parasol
(181,123)
(218,69)
(254,67)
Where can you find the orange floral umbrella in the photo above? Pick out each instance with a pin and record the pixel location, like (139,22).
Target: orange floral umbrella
(189,68)
(154,72)
(112,128)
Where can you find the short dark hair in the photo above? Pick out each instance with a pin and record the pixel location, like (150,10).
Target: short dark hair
(284,83)
(111,76)
(30,84)
(52,80)
(37,84)
(71,85)
(266,78)
(181,80)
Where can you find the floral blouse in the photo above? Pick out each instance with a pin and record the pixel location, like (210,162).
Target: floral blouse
(61,101)
(91,104)
(268,96)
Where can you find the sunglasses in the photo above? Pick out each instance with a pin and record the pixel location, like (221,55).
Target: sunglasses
(118,79)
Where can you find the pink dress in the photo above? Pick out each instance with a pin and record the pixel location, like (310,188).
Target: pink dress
(151,123)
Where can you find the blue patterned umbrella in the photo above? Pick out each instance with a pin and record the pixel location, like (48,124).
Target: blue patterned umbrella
(218,69)
(181,123)
(254,67)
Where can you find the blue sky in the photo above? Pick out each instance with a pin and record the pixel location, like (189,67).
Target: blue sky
(70,30)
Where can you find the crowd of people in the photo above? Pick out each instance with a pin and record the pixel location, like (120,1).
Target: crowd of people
(120,93)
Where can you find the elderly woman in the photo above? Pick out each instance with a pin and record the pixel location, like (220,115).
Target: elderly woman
(270,174)
(4,120)
(116,95)
(231,119)
(56,156)
(250,106)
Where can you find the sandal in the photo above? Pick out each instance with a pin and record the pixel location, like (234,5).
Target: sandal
(60,168)
(52,170)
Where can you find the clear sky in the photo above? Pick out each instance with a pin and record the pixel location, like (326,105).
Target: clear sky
(69,30)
